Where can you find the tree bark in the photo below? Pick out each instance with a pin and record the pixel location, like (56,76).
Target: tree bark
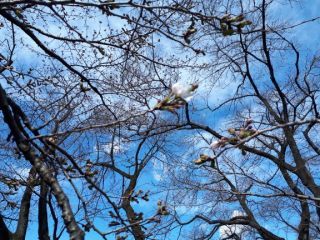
(43,230)
(4,231)
(23,221)
(136,228)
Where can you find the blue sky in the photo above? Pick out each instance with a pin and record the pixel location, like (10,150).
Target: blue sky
(308,37)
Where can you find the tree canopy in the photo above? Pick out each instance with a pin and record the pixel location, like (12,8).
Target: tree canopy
(167,119)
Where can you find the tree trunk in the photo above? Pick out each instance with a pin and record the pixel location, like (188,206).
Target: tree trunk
(43,230)
(4,231)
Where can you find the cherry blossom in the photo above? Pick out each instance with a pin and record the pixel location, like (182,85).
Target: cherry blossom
(184,91)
